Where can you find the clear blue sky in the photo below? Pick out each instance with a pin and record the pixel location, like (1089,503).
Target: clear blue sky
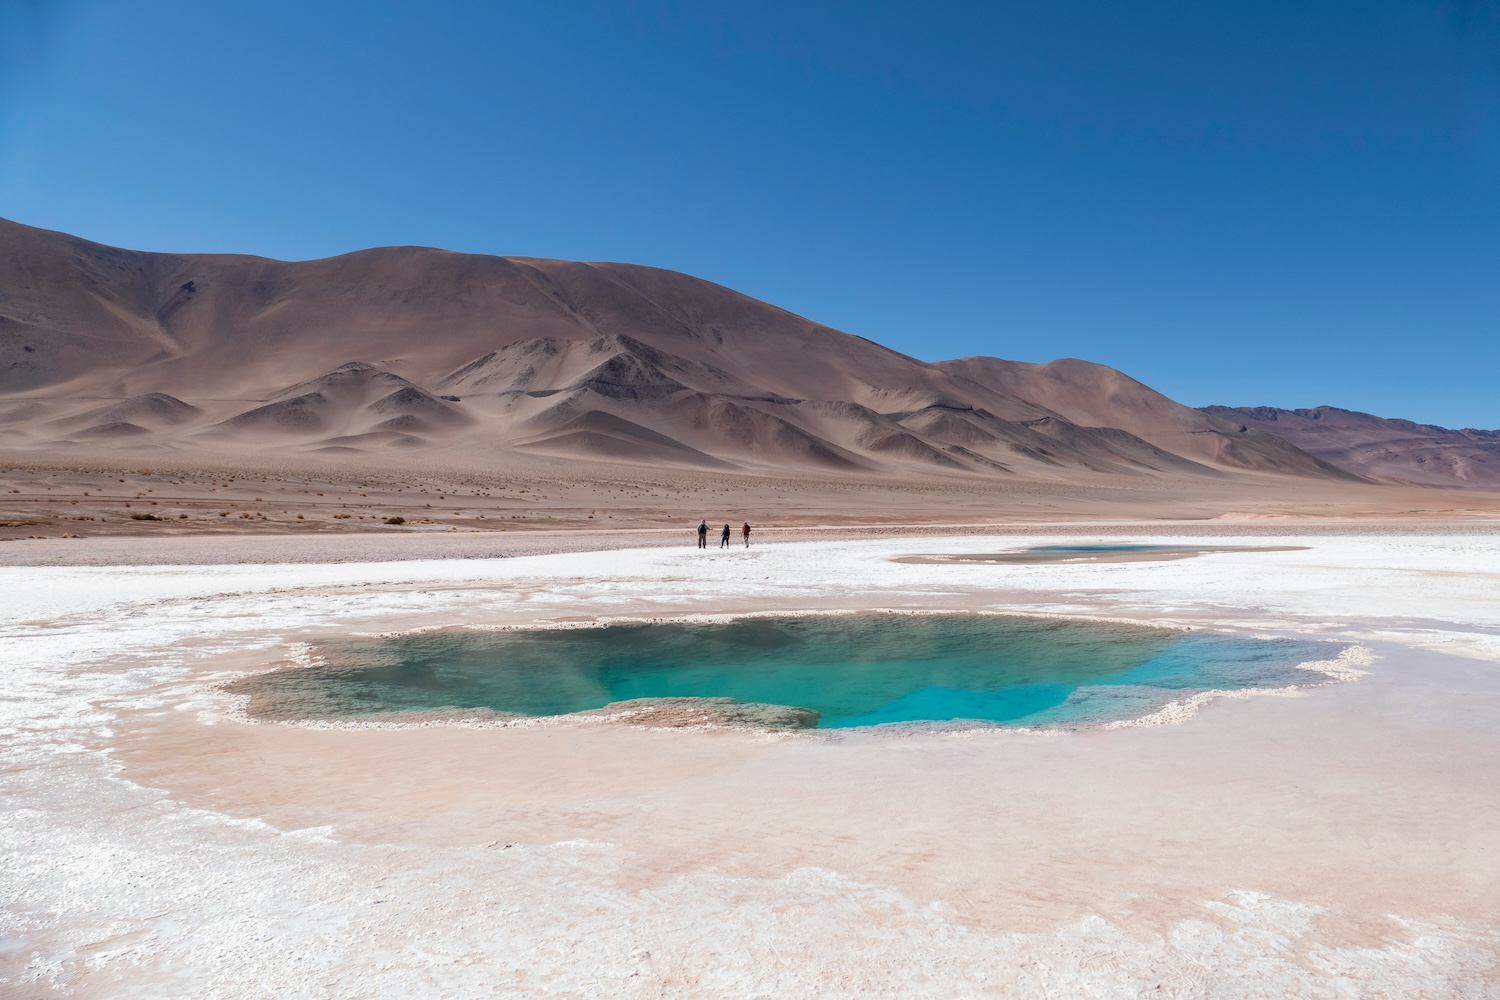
(1273,201)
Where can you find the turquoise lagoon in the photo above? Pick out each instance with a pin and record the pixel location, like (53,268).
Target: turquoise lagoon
(842,670)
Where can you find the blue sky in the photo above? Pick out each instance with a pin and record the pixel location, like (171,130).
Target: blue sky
(1236,202)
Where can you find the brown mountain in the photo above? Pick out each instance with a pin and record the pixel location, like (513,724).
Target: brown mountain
(408,351)
(1380,447)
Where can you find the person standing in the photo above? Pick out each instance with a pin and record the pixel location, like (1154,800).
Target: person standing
(746,532)
(703,534)
(724,538)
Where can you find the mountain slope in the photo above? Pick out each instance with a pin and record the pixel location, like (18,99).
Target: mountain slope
(480,357)
(1097,396)
(1380,447)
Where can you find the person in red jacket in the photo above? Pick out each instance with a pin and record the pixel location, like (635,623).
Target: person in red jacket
(746,532)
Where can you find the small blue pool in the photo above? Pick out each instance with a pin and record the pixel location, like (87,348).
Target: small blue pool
(838,671)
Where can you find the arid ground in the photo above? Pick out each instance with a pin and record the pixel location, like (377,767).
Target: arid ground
(212,463)
(1334,840)
(177,499)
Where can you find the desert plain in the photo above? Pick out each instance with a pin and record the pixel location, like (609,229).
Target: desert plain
(1333,840)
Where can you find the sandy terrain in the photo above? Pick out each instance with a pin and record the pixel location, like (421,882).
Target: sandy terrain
(167,501)
(1333,843)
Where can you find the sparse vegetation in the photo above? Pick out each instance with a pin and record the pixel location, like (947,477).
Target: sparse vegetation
(144,517)
(398,519)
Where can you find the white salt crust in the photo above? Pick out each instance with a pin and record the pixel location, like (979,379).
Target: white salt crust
(108,888)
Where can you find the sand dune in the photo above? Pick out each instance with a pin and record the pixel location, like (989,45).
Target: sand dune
(479,360)
(353,399)
(596,432)
(1380,447)
(154,409)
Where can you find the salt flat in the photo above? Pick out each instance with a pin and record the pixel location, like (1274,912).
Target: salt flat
(1335,842)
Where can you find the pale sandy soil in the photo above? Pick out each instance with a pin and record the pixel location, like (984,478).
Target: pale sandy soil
(159,500)
(1336,842)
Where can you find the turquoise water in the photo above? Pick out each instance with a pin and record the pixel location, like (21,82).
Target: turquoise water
(844,670)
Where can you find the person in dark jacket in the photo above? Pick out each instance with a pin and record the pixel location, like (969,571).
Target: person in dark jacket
(703,534)
(724,538)
(746,532)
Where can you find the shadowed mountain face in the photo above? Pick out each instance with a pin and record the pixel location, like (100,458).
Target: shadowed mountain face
(408,351)
(1380,447)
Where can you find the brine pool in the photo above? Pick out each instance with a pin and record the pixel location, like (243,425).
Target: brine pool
(814,671)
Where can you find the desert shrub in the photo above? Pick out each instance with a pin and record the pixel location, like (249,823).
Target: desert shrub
(144,517)
(395,520)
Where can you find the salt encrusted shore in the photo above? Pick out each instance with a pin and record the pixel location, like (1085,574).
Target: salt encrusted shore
(401,545)
(1337,841)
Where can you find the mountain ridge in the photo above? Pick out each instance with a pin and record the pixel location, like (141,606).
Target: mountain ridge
(409,349)
(1380,447)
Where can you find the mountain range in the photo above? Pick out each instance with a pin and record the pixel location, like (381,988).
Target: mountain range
(1380,447)
(409,353)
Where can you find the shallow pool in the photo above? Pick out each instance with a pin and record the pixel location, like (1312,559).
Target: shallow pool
(839,671)
(1103,552)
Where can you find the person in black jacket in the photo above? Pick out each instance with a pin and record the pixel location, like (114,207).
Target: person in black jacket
(724,538)
(703,534)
